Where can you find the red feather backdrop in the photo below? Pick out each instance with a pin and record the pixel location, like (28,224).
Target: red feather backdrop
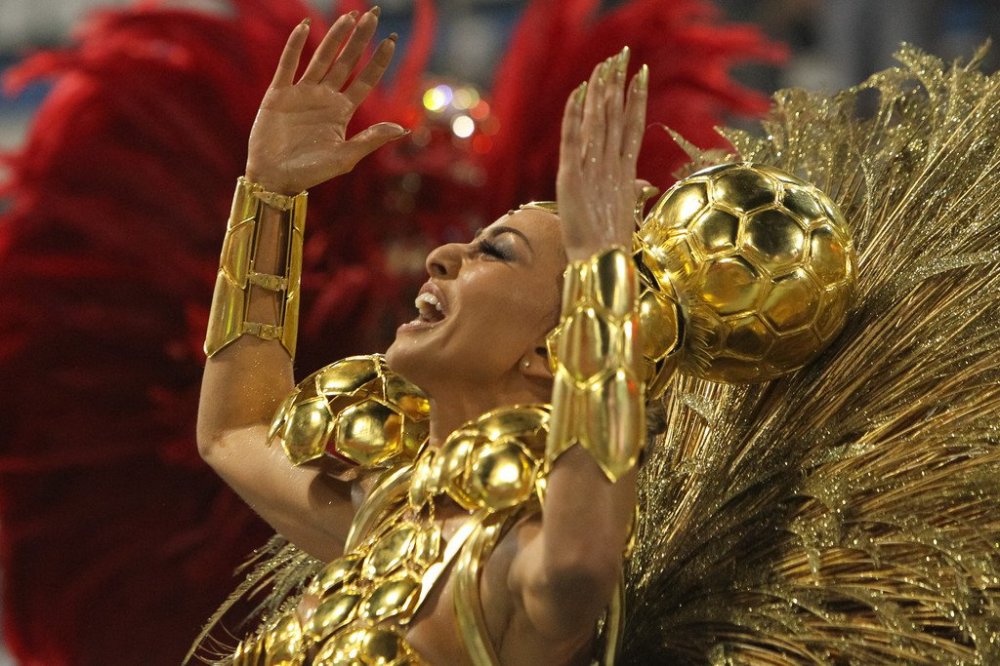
(116,541)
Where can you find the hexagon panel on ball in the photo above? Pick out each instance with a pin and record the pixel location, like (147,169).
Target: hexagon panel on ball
(760,263)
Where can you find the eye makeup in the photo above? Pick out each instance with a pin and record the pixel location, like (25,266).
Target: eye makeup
(498,251)
(487,242)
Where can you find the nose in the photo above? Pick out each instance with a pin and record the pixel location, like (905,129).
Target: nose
(445,261)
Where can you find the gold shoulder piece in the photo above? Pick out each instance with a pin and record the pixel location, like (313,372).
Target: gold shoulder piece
(598,397)
(237,274)
(355,410)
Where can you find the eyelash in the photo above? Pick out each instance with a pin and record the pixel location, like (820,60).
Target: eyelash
(489,249)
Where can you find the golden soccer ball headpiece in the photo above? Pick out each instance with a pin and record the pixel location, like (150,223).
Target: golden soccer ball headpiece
(746,273)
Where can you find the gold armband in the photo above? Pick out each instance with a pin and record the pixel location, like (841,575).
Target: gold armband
(598,397)
(238,277)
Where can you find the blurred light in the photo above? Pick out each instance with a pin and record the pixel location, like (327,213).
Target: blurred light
(466,98)
(480,110)
(463,126)
(437,98)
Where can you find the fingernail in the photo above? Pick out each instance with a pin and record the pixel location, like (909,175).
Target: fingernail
(376,10)
(353,14)
(580,94)
(306,21)
(393,37)
(644,77)
(623,60)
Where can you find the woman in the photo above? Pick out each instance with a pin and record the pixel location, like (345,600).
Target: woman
(477,344)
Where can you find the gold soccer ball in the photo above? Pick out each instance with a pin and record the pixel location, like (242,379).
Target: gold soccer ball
(749,270)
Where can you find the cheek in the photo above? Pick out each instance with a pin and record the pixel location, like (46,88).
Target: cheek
(517,313)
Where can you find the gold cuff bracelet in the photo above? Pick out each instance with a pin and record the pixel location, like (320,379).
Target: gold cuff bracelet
(237,274)
(598,397)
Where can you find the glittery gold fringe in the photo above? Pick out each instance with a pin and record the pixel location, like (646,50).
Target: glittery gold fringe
(850,513)
(277,571)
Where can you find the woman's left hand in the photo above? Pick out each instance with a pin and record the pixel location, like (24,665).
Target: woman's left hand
(602,132)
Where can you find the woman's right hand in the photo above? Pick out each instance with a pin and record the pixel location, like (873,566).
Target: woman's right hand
(299,137)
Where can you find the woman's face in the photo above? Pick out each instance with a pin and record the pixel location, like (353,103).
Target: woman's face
(487,304)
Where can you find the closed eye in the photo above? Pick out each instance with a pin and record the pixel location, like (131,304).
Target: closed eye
(489,249)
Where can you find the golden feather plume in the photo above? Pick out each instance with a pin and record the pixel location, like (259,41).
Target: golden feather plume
(850,512)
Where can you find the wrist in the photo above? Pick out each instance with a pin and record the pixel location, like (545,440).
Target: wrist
(271,180)
(243,270)
(577,253)
(583,253)
(598,394)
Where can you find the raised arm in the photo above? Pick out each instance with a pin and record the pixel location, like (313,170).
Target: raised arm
(567,568)
(298,140)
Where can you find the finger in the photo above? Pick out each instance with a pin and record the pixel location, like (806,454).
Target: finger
(645,189)
(614,103)
(355,47)
(373,71)
(635,118)
(284,74)
(593,125)
(569,146)
(327,50)
(368,141)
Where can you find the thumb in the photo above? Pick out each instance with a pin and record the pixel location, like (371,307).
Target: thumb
(369,140)
(644,191)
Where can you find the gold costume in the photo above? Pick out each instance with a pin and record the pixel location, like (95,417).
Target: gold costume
(846,513)
(355,609)
(362,418)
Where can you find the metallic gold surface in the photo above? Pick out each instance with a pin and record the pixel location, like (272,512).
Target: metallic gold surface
(389,491)
(389,598)
(661,323)
(354,410)
(355,609)
(761,265)
(369,646)
(848,513)
(237,276)
(333,612)
(336,573)
(467,599)
(491,463)
(389,553)
(283,643)
(598,397)
(502,474)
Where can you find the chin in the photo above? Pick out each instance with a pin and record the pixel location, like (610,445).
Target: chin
(406,360)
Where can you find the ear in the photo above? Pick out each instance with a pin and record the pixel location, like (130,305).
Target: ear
(535,363)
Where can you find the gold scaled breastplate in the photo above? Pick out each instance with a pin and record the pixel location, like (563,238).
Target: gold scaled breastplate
(357,609)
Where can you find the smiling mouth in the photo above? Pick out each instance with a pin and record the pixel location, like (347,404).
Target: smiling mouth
(429,309)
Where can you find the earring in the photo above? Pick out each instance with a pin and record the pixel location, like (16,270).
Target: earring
(526,363)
